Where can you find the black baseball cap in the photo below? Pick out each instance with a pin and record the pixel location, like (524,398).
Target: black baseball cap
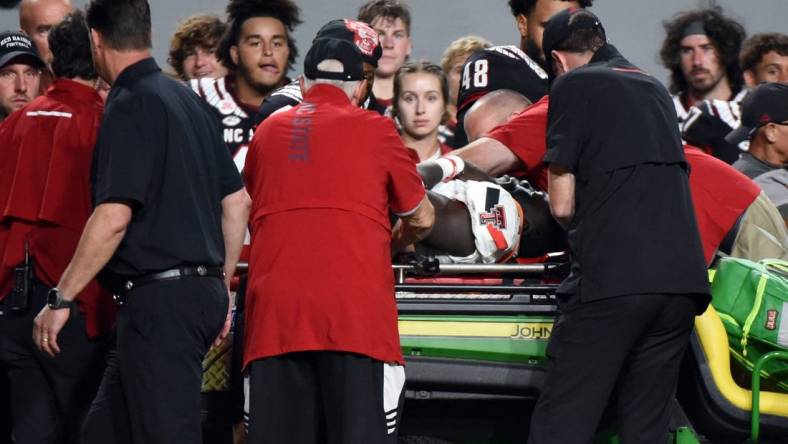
(765,104)
(16,44)
(356,32)
(563,24)
(494,68)
(337,49)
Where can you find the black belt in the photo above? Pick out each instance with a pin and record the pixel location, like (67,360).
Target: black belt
(167,275)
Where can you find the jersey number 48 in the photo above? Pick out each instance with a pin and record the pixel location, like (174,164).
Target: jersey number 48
(479,74)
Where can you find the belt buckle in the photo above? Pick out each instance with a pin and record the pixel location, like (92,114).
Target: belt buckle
(201,270)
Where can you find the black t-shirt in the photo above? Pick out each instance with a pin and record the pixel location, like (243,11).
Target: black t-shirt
(160,151)
(634,228)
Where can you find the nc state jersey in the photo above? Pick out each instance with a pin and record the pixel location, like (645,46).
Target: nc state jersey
(237,121)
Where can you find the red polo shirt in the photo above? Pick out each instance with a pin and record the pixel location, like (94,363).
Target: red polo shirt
(323,177)
(45,161)
(720,194)
(526,136)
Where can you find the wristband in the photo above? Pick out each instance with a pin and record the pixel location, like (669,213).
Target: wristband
(451,166)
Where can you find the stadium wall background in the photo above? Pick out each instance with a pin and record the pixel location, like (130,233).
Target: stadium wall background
(633,25)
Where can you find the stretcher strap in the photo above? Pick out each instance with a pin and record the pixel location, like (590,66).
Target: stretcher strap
(756,308)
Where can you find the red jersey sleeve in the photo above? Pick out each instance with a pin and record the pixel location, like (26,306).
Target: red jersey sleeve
(406,190)
(526,134)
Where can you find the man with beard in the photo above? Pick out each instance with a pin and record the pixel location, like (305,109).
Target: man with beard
(701,51)
(531,15)
(259,50)
(518,147)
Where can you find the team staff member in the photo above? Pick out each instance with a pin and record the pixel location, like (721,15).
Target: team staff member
(733,215)
(618,181)
(45,162)
(167,228)
(323,353)
(20,72)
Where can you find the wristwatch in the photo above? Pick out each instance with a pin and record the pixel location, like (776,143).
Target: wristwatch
(55,300)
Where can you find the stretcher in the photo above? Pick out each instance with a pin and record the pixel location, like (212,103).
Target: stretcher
(474,338)
(479,332)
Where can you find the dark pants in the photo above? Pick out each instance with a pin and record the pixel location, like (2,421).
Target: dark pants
(150,393)
(49,396)
(631,344)
(5,406)
(324,397)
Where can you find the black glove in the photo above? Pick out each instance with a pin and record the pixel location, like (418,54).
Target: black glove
(541,232)
(707,125)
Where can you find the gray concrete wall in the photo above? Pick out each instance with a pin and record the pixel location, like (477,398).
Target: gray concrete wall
(633,25)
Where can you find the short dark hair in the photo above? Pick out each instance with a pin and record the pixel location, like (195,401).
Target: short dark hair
(124,24)
(725,33)
(584,39)
(239,11)
(391,9)
(754,48)
(69,42)
(196,31)
(525,7)
(419,67)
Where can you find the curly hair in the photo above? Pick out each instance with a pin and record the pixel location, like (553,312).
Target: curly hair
(239,11)
(462,47)
(203,31)
(754,48)
(69,42)
(421,67)
(526,7)
(725,33)
(393,9)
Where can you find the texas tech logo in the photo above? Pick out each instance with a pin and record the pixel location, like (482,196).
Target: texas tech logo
(496,217)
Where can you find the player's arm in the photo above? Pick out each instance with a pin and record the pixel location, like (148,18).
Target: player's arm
(235,216)
(490,156)
(447,168)
(414,226)
(561,188)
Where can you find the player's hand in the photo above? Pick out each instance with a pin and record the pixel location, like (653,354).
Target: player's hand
(707,125)
(709,121)
(47,326)
(227,322)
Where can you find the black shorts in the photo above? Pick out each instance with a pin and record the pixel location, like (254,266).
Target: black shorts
(324,396)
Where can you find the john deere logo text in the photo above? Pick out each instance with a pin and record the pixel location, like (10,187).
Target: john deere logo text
(771,319)
(530,331)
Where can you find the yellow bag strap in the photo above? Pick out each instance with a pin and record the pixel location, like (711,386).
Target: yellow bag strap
(756,307)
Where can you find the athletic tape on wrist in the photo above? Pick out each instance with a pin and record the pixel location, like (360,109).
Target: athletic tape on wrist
(451,166)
